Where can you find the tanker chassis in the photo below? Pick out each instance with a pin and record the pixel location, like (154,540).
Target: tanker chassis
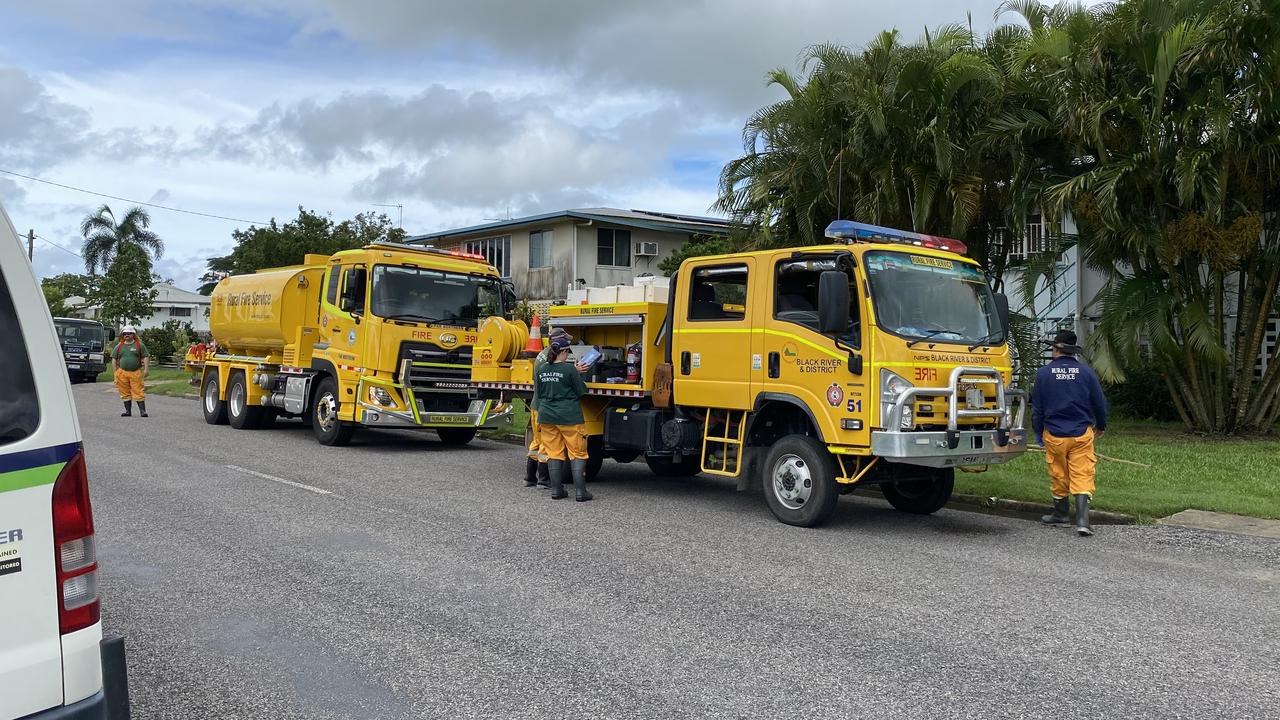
(379,337)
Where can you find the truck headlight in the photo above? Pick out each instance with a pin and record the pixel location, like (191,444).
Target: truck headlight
(891,386)
(95,357)
(380,396)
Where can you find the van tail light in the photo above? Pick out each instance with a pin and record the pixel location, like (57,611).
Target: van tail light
(77,558)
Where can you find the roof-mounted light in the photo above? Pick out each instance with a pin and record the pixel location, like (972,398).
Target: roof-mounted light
(849,231)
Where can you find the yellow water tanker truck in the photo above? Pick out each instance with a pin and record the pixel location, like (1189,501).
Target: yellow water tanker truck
(881,358)
(379,336)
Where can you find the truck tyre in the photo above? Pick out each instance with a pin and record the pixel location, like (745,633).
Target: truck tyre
(240,413)
(215,410)
(799,481)
(328,429)
(595,455)
(668,466)
(921,497)
(456,436)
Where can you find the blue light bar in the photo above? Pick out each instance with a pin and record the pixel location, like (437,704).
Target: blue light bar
(850,231)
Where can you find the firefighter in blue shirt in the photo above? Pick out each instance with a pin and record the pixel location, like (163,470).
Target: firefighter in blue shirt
(1068,412)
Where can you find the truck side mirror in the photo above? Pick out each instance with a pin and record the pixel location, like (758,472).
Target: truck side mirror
(833,302)
(346,303)
(1002,311)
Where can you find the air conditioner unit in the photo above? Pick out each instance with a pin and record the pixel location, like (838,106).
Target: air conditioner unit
(646,248)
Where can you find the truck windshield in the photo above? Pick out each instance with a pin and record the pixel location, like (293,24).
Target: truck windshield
(90,335)
(927,298)
(418,295)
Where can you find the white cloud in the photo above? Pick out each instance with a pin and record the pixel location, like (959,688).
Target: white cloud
(460,111)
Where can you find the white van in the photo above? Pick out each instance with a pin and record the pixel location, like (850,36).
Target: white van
(54,663)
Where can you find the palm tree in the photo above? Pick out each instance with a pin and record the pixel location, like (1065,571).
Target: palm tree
(1170,110)
(104,237)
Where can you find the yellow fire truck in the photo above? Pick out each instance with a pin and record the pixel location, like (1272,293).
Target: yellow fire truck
(880,358)
(379,336)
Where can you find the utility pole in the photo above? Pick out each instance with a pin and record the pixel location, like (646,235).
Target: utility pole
(31,245)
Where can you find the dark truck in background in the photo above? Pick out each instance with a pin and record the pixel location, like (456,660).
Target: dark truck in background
(84,345)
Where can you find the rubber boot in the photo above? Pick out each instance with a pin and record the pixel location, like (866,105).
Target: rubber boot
(543,478)
(142,407)
(531,472)
(1082,516)
(1061,513)
(128,409)
(555,470)
(579,468)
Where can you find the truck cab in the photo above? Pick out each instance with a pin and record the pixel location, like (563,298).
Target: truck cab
(83,347)
(882,358)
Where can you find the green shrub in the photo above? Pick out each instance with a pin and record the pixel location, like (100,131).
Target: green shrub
(1142,396)
(168,340)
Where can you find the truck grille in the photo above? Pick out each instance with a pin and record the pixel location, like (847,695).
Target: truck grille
(436,368)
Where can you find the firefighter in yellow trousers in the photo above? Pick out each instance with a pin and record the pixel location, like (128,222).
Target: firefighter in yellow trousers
(1069,412)
(557,392)
(536,467)
(132,364)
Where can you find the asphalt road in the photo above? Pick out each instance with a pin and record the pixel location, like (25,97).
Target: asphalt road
(399,579)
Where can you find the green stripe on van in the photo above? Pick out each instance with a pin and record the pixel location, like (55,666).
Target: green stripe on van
(31,477)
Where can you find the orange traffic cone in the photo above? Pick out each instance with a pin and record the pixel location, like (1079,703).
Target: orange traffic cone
(534,344)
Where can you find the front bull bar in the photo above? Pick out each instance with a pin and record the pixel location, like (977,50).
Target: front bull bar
(956,447)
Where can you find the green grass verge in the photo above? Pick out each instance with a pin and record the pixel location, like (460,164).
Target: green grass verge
(1239,476)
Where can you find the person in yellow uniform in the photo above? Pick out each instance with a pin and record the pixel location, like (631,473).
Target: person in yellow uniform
(558,389)
(132,364)
(1068,412)
(535,471)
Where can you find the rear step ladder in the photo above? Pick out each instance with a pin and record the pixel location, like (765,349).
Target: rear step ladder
(729,443)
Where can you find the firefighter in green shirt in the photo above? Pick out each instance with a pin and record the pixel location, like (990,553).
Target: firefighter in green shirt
(132,363)
(557,392)
(535,472)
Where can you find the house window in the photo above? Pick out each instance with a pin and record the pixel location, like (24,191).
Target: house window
(180,312)
(497,250)
(613,247)
(540,248)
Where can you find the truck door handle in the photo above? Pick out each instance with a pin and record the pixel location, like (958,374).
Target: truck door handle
(775,365)
(684,363)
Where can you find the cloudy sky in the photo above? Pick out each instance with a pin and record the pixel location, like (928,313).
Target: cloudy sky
(460,111)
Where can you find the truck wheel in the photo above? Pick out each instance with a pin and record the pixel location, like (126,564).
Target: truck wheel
(800,481)
(456,436)
(595,456)
(215,410)
(667,466)
(328,429)
(924,496)
(240,413)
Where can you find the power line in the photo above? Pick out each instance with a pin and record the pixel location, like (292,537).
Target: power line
(73,252)
(135,202)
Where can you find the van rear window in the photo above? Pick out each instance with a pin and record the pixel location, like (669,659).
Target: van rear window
(19,406)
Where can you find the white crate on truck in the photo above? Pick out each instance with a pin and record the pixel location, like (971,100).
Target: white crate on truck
(602,296)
